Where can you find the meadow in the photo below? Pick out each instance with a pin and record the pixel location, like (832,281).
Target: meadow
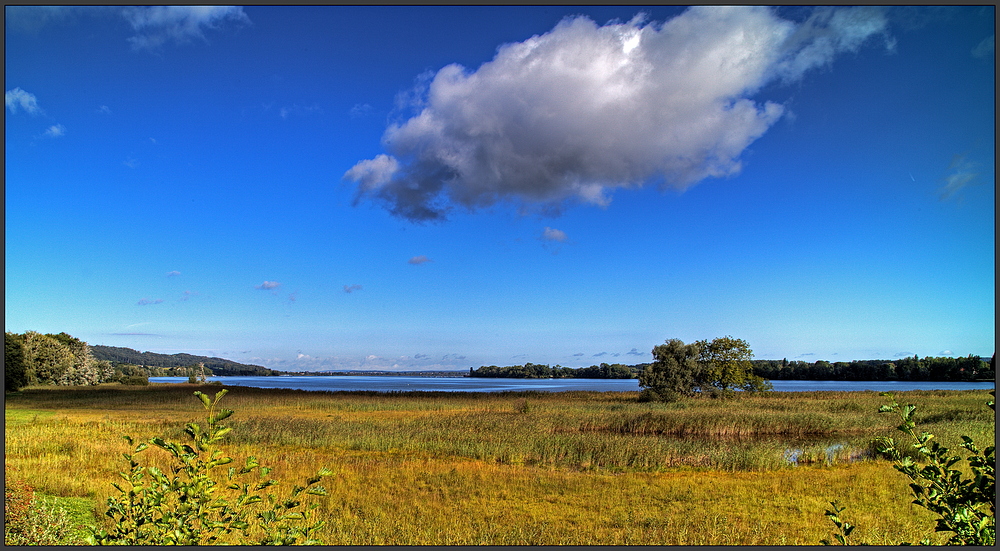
(520,468)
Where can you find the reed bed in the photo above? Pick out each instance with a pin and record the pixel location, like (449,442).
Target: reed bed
(518,468)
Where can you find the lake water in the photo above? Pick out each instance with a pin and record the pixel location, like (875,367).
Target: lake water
(478,384)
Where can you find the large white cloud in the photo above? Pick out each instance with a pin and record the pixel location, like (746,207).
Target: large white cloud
(581,110)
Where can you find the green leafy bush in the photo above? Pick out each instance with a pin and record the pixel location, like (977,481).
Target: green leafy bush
(29,520)
(965,505)
(200,503)
(138,380)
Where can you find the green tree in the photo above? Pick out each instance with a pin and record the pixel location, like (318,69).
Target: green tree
(726,365)
(15,375)
(46,358)
(675,371)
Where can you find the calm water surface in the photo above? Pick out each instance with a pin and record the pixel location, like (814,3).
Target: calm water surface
(477,384)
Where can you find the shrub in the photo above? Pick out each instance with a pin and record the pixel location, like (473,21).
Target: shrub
(196,504)
(139,380)
(31,521)
(966,506)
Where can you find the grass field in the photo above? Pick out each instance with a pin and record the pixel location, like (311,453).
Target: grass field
(522,468)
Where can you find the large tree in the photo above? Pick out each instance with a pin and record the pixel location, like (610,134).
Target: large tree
(47,358)
(675,371)
(726,365)
(15,374)
(721,365)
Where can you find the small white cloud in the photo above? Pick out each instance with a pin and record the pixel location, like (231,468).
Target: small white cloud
(131,162)
(352,288)
(552,234)
(145,301)
(55,131)
(634,352)
(104,109)
(945,353)
(419,259)
(19,99)
(268,285)
(158,25)
(173,273)
(297,109)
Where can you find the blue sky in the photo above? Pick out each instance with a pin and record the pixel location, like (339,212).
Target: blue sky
(313,188)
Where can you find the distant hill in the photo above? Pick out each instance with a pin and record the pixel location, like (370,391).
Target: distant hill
(218,366)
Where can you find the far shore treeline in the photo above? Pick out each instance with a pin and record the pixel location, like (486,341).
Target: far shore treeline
(912,368)
(33,358)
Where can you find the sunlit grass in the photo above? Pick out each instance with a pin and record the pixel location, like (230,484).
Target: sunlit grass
(523,467)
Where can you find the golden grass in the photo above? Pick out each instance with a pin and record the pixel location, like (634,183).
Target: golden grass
(521,468)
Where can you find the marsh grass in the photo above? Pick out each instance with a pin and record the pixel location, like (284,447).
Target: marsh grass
(514,468)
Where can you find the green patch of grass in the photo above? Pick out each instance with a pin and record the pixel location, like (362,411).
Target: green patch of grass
(80,510)
(21,416)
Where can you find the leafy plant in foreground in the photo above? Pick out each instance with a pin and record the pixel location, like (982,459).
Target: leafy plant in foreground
(197,503)
(966,506)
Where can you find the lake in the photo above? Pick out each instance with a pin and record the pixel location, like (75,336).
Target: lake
(477,384)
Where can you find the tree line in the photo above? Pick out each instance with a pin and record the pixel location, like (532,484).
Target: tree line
(33,358)
(52,359)
(969,368)
(543,371)
(152,360)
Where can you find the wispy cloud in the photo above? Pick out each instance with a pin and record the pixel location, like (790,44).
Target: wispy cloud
(961,176)
(634,352)
(985,49)
(145,301)
(187,295)
(104,109)
(268,285)
(155,26)
(419,259)
(297,109)
(579,111)
(599,354)
(352,288)
(131,162)
(18,99)
(55,131)
(173,273)
(360,110)
(551,234)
